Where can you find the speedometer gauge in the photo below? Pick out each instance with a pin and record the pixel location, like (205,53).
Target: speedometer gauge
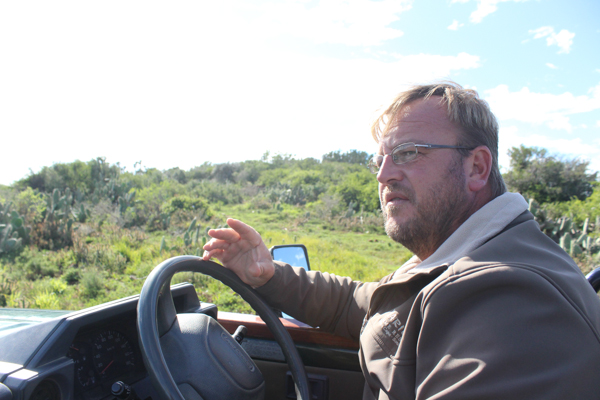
(81,353)
(113,355)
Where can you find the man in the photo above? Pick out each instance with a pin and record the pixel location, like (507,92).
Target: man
(488,307)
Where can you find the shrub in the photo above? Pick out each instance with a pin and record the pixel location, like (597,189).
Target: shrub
(34,265)
(58,286)
(16,300)
(361,189)
(200,173)
(92,283)
(46,300)
(224,172)
(30,204)
(579,210)
(536,174)
(71,276)
(215,192)
(187,203)
(352,157)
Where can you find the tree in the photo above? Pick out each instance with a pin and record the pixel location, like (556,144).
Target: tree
(77,176)
(359,189)
(536,174)
(352,157)
(224,172)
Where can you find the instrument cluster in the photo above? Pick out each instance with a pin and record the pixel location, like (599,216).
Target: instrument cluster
(104,356)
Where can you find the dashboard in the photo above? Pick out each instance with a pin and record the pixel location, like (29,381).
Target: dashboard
(81,355)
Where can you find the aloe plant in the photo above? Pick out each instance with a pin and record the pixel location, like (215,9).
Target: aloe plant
(9,241)
(82,214)
(13,232)
(566,233)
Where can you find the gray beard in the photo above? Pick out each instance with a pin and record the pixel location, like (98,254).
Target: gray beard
(437,212)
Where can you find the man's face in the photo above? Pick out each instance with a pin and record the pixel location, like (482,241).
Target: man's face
(426,199)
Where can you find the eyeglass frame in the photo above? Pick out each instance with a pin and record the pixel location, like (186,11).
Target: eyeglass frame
(374,168)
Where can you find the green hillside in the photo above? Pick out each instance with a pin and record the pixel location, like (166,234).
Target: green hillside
(78,234)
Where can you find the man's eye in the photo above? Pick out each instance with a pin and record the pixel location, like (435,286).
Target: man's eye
(404,155)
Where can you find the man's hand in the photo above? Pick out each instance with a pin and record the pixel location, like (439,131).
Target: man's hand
(242,250)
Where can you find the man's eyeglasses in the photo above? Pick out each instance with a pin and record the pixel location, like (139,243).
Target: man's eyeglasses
(406,152)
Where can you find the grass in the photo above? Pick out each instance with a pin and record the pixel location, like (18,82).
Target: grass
(107,262)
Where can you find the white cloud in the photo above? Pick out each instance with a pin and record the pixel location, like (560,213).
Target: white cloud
(350,22)
(541,32)
(484,8)
(541,108)
(598,124)
(455,25)
(562,39)
(551,66)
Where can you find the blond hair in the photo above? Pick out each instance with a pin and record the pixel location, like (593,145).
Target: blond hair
(464,107)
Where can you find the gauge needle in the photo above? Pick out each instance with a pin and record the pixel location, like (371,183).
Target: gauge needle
(109,364)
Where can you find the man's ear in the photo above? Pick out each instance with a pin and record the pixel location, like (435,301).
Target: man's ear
(478,168)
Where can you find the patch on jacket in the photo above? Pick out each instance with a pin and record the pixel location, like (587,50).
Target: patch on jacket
(391,326)
(387,330)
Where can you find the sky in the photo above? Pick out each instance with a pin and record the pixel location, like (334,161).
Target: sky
(178,84)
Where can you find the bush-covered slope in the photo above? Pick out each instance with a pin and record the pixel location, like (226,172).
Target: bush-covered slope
(82,233)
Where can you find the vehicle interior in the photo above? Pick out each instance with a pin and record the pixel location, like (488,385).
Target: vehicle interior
(166,344)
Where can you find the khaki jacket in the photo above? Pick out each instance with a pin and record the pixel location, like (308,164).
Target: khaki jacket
(512,319)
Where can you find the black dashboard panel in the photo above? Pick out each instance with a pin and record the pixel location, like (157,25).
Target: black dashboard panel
(80,355)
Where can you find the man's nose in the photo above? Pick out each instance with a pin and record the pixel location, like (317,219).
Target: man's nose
(389,171)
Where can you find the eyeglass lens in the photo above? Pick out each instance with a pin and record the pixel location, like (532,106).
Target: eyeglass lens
(400,155)
(404,153)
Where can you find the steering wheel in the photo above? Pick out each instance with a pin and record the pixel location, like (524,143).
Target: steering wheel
(191,356)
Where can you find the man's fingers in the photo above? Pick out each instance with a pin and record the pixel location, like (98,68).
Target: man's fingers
(212,253)
(241,249)
(245,231)
(214,244)
(228,235)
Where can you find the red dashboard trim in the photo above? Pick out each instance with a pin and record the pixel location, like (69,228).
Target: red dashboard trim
(299,331)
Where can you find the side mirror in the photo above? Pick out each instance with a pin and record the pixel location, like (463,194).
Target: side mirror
(294,254)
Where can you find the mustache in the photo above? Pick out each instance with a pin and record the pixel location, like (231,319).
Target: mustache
(398,188)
